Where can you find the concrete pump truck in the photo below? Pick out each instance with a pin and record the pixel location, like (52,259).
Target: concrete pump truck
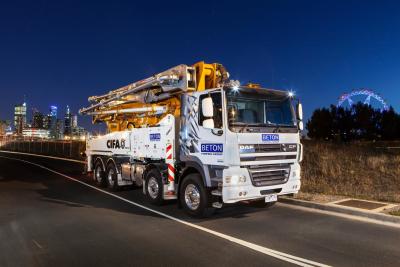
(192,134)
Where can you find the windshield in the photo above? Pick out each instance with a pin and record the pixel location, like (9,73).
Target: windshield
(259,107)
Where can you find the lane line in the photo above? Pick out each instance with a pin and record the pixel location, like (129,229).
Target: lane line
(43,156)
(270,252)
(342,215)
(37,244)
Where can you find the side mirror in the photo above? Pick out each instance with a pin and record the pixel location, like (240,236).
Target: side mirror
(207,110)
(207,107)
(208,123)
(300,111)
(301,125)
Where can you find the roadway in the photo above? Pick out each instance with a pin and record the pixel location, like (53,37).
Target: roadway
(47,219)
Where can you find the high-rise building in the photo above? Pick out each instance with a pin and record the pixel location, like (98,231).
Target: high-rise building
(59,129)
(38,120)
(74,121)
(47,122)
(68,122)
(52,122)
(20,118)
(4,127)
(53,111)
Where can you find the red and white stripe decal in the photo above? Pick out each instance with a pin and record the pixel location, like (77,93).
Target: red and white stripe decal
(169,151)
(171,170)
(171,173)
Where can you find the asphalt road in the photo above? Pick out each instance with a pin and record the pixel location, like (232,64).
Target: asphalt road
(49,220)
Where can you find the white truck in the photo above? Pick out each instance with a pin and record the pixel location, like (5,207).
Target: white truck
(217,142)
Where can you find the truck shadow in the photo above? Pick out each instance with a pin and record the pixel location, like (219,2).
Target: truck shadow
(54,189)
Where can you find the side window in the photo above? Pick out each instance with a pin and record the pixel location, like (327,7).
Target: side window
(217,102)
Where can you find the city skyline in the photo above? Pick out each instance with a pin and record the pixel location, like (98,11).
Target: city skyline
(317,49)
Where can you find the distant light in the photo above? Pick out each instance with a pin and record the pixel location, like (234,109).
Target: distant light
(235,89)
(291,94)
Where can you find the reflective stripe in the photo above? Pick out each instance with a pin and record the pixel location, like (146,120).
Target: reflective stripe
(171,170)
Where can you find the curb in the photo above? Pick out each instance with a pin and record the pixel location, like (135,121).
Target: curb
(349,211)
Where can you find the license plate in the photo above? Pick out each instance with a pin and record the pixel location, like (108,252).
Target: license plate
(271,198)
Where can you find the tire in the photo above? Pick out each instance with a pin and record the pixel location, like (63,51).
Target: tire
(112,177)
(154,187)
(99,175)
(194,197)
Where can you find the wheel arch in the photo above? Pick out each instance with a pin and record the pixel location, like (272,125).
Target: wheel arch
(190,168)
(111,161)
(99,159)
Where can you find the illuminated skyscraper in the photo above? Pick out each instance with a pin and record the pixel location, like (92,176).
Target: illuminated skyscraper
(52,122)
(38,120)
(20,118)
(68,122)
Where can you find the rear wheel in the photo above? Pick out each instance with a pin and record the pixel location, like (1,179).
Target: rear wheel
(194,197)
(112,177)
(98,174)
(154,187)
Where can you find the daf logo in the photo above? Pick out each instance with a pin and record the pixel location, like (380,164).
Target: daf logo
(246,148)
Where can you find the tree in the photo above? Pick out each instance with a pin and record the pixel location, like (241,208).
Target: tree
(320,126)
(359,122)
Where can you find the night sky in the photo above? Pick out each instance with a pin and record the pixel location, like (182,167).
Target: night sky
(60,53)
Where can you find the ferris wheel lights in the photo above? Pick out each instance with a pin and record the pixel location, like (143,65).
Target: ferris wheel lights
(368,93)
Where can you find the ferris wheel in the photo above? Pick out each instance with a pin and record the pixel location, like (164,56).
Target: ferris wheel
(366,96)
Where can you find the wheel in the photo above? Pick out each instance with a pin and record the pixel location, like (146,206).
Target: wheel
(194,197)
(154,187)
(98,174)
(112,177)
(262,204)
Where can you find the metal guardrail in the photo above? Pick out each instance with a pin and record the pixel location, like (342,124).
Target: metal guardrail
(59,148)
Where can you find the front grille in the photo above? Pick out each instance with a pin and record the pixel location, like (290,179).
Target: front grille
(268,148)
(262,148)
(271,174)
(262,158)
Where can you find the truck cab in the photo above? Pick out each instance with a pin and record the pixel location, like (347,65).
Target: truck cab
(244,142)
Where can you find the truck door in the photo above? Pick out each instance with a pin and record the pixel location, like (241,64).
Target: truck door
(211,140)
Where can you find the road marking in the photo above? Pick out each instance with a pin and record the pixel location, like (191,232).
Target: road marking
(342,215)
(270,252)
(42,156)
(37,244)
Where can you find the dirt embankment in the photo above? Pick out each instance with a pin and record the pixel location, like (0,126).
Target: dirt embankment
(369,170)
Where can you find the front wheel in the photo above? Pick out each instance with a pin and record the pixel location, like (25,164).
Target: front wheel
(194,197)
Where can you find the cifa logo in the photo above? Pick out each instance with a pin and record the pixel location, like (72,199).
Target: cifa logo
(116,144)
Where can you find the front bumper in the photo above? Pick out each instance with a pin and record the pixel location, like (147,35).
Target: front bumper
(237,185)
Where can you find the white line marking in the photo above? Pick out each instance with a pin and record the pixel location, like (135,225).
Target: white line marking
(342,215)
(37,244)
(270,252)
(42,156)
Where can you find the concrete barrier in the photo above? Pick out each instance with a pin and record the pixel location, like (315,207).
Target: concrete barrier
(58,148)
